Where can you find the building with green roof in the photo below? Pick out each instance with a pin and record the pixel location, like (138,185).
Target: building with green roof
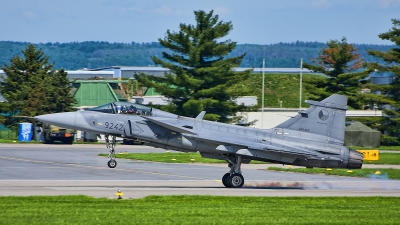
(90,93)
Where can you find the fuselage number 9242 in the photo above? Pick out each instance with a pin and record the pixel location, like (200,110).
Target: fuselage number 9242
(113,126)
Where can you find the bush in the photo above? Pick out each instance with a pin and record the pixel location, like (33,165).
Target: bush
(390,140)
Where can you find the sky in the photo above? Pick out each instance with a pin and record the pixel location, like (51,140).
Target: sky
(254,21)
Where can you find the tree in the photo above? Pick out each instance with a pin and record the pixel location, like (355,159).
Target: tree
(32,87)
(391,65)
(60,96)
(200,73)
(339,62)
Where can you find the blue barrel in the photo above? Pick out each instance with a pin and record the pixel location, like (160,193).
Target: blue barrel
(25,132)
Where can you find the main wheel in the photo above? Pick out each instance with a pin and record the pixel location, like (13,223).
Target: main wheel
(225,180)
(236,180)
(112,163)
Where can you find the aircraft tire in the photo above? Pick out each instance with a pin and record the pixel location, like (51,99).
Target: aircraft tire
(225,180)
(112,163)
(236,180)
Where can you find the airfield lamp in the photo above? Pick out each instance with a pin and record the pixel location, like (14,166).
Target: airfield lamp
(119,194)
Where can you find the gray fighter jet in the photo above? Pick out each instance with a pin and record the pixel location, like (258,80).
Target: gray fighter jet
(312,138)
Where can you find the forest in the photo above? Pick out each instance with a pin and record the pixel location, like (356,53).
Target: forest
(98,54)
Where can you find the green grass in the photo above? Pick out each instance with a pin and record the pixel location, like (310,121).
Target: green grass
(168,157)
(386,158)
(387,148)
(366,172)
(199,210)
(19,142)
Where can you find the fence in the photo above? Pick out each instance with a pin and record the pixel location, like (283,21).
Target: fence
(8,134)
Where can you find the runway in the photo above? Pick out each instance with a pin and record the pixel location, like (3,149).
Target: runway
(37,169)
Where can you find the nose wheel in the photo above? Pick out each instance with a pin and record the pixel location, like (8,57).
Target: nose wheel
(233,179)
(112,163)
(110,144)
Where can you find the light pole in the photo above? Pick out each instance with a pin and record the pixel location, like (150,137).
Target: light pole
(301,81)
(262,101)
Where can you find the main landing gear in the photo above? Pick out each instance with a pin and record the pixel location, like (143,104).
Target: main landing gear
(234,178)
(110,144)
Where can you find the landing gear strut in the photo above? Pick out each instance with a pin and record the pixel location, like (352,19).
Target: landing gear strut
(234,178)
(110,144)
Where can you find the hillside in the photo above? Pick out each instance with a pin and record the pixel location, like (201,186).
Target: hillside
(91,54)
(278,87)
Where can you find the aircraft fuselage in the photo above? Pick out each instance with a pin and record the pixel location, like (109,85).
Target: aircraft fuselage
(295,147)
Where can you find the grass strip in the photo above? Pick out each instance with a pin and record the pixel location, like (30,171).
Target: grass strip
(11,141)
(366,172)
(169,157)
(384,158)
(386,148)
(199,210)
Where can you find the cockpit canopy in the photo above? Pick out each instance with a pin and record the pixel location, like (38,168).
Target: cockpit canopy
(124,108)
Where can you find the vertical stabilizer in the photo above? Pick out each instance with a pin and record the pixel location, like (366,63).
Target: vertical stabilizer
(326,118)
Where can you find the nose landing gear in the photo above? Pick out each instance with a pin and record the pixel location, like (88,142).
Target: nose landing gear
(112,163)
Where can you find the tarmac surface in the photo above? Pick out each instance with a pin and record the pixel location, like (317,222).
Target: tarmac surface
(38,169)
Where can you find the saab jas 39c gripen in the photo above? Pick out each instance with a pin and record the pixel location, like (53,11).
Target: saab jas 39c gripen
(312,138)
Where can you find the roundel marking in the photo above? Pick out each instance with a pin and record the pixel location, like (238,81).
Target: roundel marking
(323,114)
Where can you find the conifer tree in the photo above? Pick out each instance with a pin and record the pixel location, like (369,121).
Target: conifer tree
(32,87)
(200,73)
(339,62)
(62,101)
(391,65)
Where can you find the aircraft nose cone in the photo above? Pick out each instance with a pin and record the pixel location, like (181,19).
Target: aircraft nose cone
(65,120)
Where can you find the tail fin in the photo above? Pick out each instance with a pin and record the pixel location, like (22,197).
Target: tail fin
(326,117)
